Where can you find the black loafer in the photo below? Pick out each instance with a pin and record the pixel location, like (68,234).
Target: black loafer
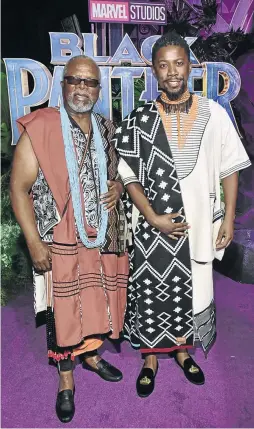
(192,371)
(146,381)
(105,370)
(65,407)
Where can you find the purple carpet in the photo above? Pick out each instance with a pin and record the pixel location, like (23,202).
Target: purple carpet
(226,400)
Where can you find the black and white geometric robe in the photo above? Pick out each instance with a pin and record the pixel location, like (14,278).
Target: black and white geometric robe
(159,306)
(160,292)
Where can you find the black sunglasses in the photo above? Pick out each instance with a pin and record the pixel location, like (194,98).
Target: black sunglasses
(72,80)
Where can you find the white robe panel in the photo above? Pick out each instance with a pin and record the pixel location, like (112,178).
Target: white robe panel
(221,154)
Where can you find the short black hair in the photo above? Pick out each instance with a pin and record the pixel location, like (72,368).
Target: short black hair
(170,39)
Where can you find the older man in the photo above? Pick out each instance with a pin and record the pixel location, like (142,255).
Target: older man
(73,223)
(174,151)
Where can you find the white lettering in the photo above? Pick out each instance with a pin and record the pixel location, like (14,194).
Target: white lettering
(104,12)
(96,10)
(122,13)
(162,15)
(132,11)
(148,13)
(109,11)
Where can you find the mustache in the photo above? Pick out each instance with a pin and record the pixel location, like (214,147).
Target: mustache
(82,94)
(174,80)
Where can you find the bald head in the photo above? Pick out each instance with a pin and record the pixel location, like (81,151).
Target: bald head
(79,59)
(80,95)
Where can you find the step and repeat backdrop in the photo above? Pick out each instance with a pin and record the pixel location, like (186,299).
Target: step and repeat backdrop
(120,40)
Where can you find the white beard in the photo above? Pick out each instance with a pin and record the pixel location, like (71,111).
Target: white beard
(80,108)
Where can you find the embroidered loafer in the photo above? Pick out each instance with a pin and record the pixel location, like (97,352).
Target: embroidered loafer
(146,382)
(105,370)
(192,371)
(65,406)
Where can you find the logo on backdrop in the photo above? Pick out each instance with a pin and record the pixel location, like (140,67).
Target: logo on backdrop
(127,11)
(47,88)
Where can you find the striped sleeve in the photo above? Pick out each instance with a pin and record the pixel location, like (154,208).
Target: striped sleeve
(126,173)
(233,155)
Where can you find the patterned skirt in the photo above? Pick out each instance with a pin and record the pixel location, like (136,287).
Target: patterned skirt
(92,306)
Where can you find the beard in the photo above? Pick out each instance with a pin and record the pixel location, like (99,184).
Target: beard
(175,95)
(79,107)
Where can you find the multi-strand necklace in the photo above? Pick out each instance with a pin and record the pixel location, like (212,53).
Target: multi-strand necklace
(185,108)
(73,172)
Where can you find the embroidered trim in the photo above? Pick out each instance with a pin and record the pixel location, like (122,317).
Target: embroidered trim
(219,214)
(60,356)
(234,169)
(44,207)
(184,122)
(205,326)
(131,179)
(182,104)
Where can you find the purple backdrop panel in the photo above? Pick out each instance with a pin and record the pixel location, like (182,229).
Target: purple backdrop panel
(231,14)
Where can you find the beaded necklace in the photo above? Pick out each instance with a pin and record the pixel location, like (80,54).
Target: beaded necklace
(73,171)
(187,104)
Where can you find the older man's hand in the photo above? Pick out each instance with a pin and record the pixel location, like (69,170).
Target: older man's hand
(41,255)
(115,190)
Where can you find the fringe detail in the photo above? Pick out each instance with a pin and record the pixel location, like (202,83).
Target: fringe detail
(178,130)
(184,124)
(60,356)
(182,107)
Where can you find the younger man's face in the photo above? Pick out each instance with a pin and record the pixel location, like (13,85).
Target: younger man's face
(172,68)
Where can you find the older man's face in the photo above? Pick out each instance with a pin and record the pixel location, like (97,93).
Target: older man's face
(80,97)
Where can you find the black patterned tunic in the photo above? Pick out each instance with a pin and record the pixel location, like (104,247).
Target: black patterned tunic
(160,286)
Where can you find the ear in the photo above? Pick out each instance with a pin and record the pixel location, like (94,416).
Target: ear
(62,83)
(153,71)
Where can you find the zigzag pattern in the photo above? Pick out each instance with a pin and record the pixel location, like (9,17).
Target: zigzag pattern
(159,308)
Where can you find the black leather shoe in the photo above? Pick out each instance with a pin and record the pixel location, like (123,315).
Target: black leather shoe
(192,371)
(105,370)
(146,381)
(65,407)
